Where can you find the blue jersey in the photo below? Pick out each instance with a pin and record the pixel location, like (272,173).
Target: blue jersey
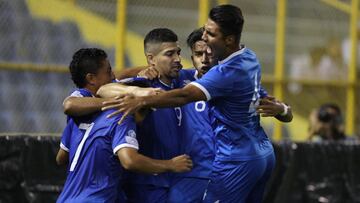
(94,170)
(82,92)
(234,89)
(158,136)
(197,139)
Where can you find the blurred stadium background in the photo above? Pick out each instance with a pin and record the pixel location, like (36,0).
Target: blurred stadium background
(38,38)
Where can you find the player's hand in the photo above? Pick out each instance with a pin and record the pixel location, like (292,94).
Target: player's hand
(126,104)
(270,97)
(149,91)
(181,164)
(149,73)
(269,107)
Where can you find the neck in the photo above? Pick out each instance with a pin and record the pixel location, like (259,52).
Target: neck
(165,80)
(92,89)
(230,50)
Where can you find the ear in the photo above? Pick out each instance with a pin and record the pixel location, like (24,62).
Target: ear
(150,59)
(229,39)
(90,79)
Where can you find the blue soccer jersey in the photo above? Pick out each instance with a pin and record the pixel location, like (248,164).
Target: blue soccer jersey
(158,136)
(81,92)
(233,86)
(94,170)
(197,139)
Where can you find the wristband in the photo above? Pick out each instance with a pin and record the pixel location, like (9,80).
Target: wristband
(286,110)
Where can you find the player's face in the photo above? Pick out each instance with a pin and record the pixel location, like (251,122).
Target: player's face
(214,39)
(104,75)
(168,61)
(201,58)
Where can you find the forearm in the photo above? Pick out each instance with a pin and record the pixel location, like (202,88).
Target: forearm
(79,106)
(112,90)
(143,164)
(172,98)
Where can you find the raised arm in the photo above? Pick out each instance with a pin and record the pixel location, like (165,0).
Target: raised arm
(112,90)
(131,160)
(142,71)
(129,72)
(80,106)
(130,103)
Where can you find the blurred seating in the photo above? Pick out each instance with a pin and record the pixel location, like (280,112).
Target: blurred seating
(32,101)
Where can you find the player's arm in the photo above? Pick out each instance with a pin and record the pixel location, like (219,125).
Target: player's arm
(80,106)
(286,114)
(270,107)
(129,72)
(131,160)
(178,97)
(62,157)
(141,71)
(112,90)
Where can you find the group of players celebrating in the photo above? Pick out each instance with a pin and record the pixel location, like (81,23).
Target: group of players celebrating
(171,134)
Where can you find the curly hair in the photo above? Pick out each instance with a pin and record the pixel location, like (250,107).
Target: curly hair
(84,61)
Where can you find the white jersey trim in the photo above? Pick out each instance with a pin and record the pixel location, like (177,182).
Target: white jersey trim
(233,55)
(196,75)
(203,89)
(62,146)
(120,146)
(76,93)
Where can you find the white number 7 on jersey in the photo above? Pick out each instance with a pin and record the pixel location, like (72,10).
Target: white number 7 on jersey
(82,126)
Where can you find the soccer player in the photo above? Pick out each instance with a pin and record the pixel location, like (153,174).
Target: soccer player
(93,145)
(197,138)
(244,157)
(159,133)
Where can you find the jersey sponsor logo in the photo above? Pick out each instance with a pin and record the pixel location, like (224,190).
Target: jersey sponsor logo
(130,138)
(131,133)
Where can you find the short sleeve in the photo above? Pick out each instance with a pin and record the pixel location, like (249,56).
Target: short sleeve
(76,93)
(125,135)
(263,93)
(66,135)
(216,83)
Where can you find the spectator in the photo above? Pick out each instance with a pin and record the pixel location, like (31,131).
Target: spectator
(326,123)
(322,63)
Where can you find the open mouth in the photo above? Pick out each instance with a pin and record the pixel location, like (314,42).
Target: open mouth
(205,69)
(178,67)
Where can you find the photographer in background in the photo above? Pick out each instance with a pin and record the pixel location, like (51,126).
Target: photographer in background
(326,123)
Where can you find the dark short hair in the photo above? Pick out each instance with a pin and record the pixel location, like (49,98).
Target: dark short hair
(229,18)
(330,112)
(159,35)
(84,61)
(194,37)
